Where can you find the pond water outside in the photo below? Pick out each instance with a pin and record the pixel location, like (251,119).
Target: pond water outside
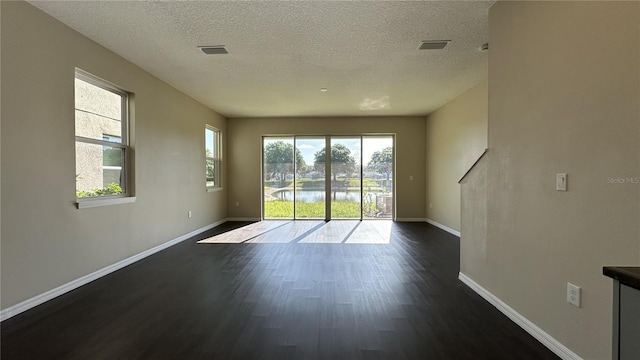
(311,196)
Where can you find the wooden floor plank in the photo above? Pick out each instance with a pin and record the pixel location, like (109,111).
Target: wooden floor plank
(292,232)
(246,233)
(288,290)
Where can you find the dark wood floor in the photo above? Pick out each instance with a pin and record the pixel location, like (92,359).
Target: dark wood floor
(296,300)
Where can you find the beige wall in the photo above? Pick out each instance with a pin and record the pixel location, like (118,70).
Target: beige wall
(46,241)
(456,137)
(564,96)
(244,153)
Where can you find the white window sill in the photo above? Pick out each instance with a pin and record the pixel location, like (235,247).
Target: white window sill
(89,203)
(214,189)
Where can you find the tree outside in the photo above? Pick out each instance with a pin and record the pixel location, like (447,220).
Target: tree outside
(342,162)
(278,160)
(382,162)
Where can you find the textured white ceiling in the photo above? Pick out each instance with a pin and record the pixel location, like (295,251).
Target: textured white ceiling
(281,53)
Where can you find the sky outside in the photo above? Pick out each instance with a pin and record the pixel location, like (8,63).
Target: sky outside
(309,146)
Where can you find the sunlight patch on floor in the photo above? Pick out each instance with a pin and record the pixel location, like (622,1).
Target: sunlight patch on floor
(293,231)
(308,232)
(244,233)
(371,232)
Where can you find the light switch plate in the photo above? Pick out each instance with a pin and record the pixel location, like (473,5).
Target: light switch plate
(561,182)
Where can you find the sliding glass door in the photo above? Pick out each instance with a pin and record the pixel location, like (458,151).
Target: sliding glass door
(310,184)
(355,175)
(346,189)
(377,177)
(278,177)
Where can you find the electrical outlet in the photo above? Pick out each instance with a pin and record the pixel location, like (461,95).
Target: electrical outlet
(189,214)
(573,294)
(237,203)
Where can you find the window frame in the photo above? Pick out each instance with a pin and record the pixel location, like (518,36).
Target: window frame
(125,97)
(216,158)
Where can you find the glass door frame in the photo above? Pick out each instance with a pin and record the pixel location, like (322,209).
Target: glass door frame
(327,172)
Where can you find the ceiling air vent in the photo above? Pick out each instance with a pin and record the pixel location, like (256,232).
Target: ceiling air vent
(214,50)
(433,44)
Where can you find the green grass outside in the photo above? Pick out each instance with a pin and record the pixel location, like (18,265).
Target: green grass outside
(284,209)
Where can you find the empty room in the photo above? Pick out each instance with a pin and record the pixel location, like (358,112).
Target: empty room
(167,191)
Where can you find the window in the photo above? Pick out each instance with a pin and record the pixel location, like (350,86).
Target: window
(213,156)
(102,144)
(302,181)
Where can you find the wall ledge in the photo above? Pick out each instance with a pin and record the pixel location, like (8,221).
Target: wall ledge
(86,203)
(472,166)
(547,340)
(444,227)
(74,284)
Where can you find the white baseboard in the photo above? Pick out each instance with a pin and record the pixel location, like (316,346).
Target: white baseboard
(46,296)
(410,219)
(546,339)
(443,227)
(242,219)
